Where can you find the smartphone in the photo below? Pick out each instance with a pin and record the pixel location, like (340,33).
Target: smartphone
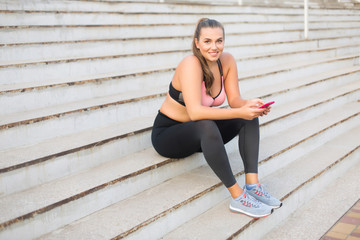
(267,104)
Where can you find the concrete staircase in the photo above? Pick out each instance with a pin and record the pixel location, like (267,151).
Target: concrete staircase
(80,85)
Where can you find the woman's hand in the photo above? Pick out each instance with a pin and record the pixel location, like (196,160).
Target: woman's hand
(251,109)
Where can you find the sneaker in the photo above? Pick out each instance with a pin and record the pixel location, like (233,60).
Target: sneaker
(263,196)
(248,205)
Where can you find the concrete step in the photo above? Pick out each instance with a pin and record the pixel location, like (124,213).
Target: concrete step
(301,69)
(94,113)
(72,118)
(23,53)
(135,63)
(251,62)
(156,16)
(62,93)
(40,34)
(170,209)
(155,6)
(137,7)
(24,87)
(100,145)
(54,19)
(322,211)
(94,147)
(299,88)
(30,34)
(333,159)
(249,43)
(103,47)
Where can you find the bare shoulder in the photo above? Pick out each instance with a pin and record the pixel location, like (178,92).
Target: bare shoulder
(190,62)
(188,69)
(227,58)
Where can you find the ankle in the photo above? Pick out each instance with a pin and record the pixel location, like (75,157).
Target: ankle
(235,191)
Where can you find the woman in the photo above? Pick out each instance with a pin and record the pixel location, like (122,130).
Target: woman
(187,123)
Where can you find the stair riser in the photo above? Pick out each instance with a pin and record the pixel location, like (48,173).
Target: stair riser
(79,161)
(68,164)
(271,61)
(81,121)
(143,7)
(73,210)
(125,6)
(303,148)
(327,34)
(69,212)
(45,97)
(186,212)
(118,65)
(133,46)
(141,63)
(304,92)
(294,119)
(248,84)
(69,33)
(39,52)
(59,34)
(51,96)
(76,122)
(299,198)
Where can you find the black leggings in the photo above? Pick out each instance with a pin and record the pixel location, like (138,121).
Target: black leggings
(175,139)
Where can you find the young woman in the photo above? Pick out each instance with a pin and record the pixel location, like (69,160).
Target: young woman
(187,123)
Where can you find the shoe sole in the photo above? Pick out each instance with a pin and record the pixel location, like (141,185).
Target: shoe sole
(236,210)
(276,207)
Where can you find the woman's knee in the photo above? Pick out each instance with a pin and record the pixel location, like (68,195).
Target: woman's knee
(208,129)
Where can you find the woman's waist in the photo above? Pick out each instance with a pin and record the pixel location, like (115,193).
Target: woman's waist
(174,110)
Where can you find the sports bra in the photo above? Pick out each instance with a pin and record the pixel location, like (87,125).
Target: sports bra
(206,100)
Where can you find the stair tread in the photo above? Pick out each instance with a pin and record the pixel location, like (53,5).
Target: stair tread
(60,60)
(50,193)
(242,74)
(301,82)
(327,207)
(286,67)
(176,192)
(88,169)
(76,106)
(23,154)
(296,105)
(221,223)
(84,104)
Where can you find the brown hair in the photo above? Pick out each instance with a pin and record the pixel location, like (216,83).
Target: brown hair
(208,76)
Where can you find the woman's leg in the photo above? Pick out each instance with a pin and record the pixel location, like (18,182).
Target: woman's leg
(183,139)
(248,131)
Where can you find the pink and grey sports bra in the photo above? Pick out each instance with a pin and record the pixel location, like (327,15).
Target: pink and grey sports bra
(206,100)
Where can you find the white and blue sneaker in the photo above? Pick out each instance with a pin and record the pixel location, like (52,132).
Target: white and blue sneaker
(249,206)
(258,191)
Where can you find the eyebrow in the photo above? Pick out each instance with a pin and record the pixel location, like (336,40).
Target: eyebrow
(211,39)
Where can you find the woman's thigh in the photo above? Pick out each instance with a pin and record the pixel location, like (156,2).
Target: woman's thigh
(184,139)
(230,128)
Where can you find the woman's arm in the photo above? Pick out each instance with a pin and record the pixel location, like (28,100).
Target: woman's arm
(190,78)
(232,86)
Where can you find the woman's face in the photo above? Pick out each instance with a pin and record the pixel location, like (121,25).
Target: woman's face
(210,43)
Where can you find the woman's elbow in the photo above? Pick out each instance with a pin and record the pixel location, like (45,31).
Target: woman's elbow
(194,114)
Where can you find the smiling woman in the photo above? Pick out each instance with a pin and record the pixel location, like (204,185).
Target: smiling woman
(188,123)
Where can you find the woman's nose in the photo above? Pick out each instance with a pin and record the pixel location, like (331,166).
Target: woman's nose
(213,45)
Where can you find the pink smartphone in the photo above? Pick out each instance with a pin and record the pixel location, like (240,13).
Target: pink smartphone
(267,104)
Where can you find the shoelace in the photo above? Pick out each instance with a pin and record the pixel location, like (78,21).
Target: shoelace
(250,200)
(262,190)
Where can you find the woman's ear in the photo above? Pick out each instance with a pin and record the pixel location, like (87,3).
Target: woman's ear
(197,43)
